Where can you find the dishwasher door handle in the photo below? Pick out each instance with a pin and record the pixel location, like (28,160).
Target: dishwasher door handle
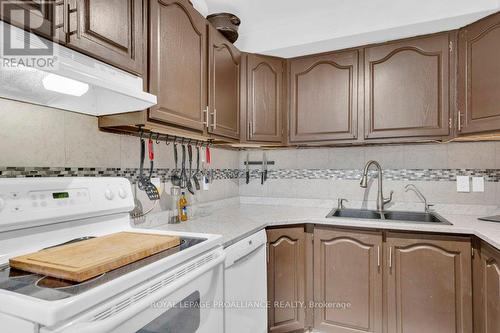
(243,258)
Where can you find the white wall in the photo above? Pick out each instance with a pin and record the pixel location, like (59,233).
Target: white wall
(290,28)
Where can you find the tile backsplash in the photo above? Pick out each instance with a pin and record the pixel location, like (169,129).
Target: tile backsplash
(39,141)
(331,173)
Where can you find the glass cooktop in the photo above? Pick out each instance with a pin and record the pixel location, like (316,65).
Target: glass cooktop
(52,289)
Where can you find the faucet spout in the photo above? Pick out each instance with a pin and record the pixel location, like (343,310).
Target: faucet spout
(381,201)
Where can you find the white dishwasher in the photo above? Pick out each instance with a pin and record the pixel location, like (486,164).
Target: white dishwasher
(245,285)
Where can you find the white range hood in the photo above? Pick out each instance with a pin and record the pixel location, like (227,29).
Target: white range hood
(76,82)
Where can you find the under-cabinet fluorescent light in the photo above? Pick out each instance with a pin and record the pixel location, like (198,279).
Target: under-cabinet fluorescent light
(64,85)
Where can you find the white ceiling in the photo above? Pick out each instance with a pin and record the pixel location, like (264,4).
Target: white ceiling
(289,28)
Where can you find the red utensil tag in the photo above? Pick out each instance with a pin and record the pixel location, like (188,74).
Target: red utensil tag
(151,150)
(209,158)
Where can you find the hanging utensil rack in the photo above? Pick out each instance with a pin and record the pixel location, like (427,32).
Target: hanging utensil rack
(168,138)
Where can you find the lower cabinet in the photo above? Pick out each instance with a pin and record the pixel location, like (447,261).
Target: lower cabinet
(373,281)
(286,279)
(486,290)
(347,281)
(428,284)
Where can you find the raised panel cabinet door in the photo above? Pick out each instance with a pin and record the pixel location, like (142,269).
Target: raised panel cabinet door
(347,281)
(407,88)
(264,98)
(44,18)
(286,279)
(429,287)
(109,30)
(224,86)
(324,97)
(486,292)
(178,64)
(479,76)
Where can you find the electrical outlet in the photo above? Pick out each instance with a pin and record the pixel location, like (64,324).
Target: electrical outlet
(477,184)
(463,184)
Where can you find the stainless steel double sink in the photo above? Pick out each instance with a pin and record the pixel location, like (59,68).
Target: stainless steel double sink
(393,216)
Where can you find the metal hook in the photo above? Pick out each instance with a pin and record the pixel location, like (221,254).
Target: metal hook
(166,140)
(157,138)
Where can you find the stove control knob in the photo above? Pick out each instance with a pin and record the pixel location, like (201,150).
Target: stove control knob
(122,193)
(109,194)
(2,204)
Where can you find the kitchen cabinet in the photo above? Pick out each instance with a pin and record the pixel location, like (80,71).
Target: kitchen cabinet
(43,18)
(347,268)
(178,64)
(224,86)
(486,277)
(428,285)
(109,30)
(407,88)
(264,98)
(324,97)
(286,279)
(479,76)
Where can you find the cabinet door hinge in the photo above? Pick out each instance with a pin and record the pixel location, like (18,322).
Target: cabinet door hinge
(451,46)
(450,123)
(472,252)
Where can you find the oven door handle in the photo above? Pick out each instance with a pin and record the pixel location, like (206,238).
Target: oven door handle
(114,321)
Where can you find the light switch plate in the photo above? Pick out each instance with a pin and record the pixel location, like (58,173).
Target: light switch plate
(463,184)
(477,184)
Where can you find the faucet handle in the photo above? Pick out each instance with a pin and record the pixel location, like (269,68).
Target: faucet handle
(341,203)
(386,201)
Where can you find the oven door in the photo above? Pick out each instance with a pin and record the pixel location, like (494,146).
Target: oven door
(188,299)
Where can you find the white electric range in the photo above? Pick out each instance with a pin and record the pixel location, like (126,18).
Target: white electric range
(179,290)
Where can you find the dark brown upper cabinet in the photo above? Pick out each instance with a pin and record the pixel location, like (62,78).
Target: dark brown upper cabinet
(224,86)
(348,267)
(264,98)
(109,30)
(479,76)
(486,292)
(44,18)
(286,278)
(428,284)
(407,88)
(324,97)
(178,64)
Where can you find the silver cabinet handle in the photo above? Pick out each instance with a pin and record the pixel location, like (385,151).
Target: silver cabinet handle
(205,116)
(250,130)
(378,256)
(459,121)
(214,114)
(390,257)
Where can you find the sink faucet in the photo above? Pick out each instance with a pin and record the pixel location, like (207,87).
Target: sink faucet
(420,195)
(381,201)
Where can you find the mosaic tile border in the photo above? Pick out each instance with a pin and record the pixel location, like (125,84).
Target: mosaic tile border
(490,175)
(130,173)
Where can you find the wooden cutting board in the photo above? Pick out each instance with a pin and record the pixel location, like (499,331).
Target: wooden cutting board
(87,259)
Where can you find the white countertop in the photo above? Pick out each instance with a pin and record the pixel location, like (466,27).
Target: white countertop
(238,221)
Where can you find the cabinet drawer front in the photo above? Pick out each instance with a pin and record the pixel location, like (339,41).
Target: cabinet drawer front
(407,88)
(479,76)
(264,89)
(178,63)
(324,97)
